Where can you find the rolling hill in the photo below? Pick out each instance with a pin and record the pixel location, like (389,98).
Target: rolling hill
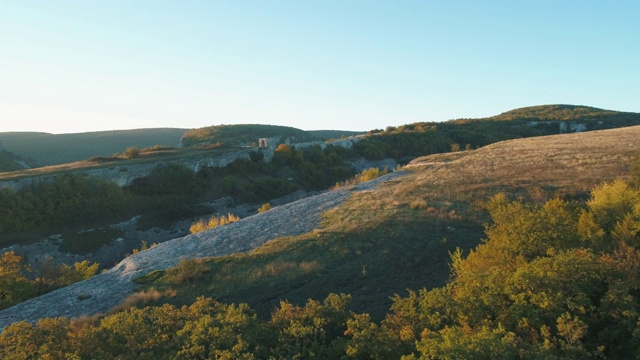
(375,240)
(243,135)
(54,149)
(402,142)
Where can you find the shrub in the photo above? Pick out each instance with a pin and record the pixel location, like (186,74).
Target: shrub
(202,224)
(188,270)
(132,152)
(365,175)
(284,151)
(264,207)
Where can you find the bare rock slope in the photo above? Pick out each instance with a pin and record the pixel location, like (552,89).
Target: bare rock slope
(106,290)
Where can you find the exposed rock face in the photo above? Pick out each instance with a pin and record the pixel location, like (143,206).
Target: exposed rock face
(345,143)
(572,127)
(106,290)
(125,174)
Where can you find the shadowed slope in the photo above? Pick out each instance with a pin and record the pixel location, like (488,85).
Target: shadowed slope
(104,291)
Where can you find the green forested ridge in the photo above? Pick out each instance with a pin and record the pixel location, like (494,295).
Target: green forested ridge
(240,135)
(411,140)
(564,113)
(551,280)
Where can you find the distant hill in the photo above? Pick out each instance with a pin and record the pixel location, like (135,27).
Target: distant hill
(423,138)
(54,149)
(592,118)
(243,135)
(401,142)
(563,113)
(11,162)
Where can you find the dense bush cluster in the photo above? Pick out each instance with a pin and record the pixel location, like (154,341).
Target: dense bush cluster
(18,282)
(553,280)
(66,201)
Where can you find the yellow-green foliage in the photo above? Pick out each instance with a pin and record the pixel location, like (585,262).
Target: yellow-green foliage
(264,207)
(371,174)
(18,282)
(214,221)
(15,287)
(550,281)
(363,176)
(536,288)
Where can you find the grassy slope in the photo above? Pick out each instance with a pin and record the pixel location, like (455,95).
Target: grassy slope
(50,149)
(398,236)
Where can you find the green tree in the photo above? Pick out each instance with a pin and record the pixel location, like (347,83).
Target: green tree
(48,339)
(312,331)
(218,331)
(188,270)
(15,286)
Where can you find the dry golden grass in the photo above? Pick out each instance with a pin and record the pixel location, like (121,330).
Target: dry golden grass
(455,185)
(567,164)
(142,298)
(214,221)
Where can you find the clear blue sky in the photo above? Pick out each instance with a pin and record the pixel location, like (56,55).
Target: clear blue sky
(74,66)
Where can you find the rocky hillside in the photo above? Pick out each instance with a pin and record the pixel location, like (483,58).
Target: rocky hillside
(446,187)
(125,172)
(105,291)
